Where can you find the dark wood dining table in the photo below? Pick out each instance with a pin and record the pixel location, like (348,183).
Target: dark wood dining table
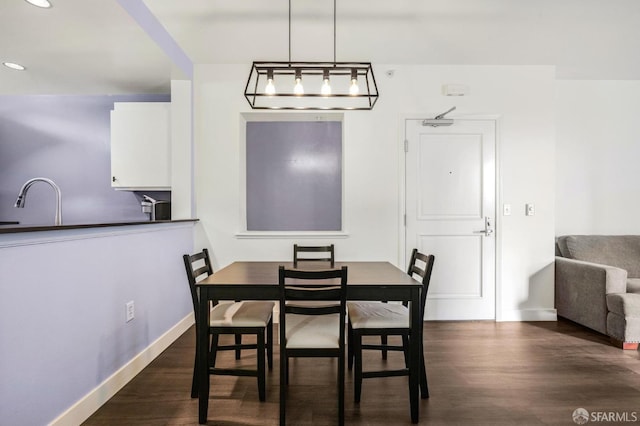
(375,281)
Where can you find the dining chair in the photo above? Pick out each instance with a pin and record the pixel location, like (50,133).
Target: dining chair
(328,257)
(384,320)
(236,318)
(312,330)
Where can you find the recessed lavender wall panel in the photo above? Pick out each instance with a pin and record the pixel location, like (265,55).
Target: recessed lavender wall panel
(294,175)
(66,139)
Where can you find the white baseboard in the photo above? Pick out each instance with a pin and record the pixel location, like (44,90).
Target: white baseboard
(528,315)
(89,404)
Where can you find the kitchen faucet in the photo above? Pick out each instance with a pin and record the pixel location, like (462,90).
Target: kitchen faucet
(22,196)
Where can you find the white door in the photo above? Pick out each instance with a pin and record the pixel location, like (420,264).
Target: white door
(450,212)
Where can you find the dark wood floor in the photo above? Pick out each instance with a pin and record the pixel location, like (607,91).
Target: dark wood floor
(480,373)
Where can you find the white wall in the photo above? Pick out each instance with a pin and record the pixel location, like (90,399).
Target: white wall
(182,190)
(522,96)
(598,148)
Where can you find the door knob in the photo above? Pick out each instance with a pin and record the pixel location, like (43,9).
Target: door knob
(488,227)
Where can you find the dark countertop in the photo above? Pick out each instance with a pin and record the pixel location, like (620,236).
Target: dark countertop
(12,227)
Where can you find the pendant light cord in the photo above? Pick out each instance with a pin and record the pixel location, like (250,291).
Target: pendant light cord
(334,32)
(289,32)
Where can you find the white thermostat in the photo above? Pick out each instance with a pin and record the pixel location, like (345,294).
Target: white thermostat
(455,89)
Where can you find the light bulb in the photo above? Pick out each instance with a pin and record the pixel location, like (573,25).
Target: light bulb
(298,89)
(354,89)
(270,88)
(326,87)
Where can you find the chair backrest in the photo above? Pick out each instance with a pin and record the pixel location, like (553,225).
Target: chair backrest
(422,272)
(296,285)
(197,265)
(313,249)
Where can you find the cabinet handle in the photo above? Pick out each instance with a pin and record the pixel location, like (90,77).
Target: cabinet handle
(113,178)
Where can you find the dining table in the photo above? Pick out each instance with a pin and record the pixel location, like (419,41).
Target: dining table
(254,280)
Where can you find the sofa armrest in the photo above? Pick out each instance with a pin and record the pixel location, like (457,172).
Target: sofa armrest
(581,289)
(623,320)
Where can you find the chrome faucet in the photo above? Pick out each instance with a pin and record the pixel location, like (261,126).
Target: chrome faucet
(22,196)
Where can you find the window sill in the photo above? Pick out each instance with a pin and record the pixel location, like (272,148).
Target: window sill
(291,234)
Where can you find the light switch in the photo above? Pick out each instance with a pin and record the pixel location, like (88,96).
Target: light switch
(506,209)
(530,210)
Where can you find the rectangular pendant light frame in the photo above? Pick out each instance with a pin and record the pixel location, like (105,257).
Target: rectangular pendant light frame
(283,73)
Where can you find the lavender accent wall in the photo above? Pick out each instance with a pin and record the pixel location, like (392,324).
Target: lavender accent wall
(294,175)
(66,139)
(64,333)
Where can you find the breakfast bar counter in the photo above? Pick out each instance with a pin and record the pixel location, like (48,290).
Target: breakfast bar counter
(13,227)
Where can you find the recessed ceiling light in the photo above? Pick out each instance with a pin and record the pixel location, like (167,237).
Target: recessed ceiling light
(14,66)
(40,3)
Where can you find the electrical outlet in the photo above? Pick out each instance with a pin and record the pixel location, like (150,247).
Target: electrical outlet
(506,209)
(130,311)
(530,209)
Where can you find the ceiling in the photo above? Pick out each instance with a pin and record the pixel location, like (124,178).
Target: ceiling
(96,47)
(78,47)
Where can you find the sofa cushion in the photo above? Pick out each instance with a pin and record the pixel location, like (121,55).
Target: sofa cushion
(561,247)
(633,285)
(622,251)
(624,304)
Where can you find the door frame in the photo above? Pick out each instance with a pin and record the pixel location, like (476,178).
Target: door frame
(402,168)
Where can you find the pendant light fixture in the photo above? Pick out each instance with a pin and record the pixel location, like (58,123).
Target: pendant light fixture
(312,85)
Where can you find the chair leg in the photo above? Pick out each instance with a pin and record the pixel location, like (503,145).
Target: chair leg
(424,388)
(283,379)
(194,381)
(405,347)
(238,342)
(357,380)
(286,371)
(350,345)
(384,341)
(341,389)
(214,350)
(270,344)
(261,369)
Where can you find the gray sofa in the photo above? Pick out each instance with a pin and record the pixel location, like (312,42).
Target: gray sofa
(598,284)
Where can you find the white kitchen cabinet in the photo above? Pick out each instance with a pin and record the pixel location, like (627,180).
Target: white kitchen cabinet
(141,146)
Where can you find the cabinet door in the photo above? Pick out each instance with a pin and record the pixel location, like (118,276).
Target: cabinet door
(140,146)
